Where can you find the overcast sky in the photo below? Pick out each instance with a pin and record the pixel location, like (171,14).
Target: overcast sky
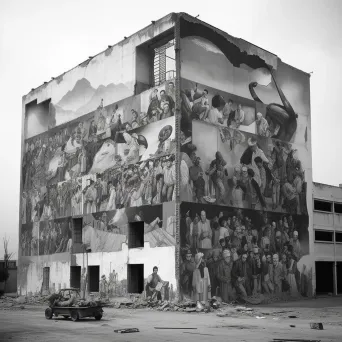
(44,38)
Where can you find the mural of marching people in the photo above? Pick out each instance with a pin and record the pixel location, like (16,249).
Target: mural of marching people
(93,144)
(55,236)
(107,231)
(239,169)
(246,252)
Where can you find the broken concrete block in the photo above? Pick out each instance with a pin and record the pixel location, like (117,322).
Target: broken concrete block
(317,326)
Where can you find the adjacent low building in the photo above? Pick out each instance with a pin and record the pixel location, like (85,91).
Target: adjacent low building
(180,144)
(327,225)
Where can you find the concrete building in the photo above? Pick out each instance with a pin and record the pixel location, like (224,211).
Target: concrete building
(327,225)
(180,144)
(11,283)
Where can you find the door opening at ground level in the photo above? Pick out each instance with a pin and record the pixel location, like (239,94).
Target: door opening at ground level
(339,277)
(135,278)
(93,278)
(324,277)
(46,278)
(75,277)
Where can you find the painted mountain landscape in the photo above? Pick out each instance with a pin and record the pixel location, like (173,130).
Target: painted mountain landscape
(84,98)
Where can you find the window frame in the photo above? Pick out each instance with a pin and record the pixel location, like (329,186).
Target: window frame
(323,211)
(325,231)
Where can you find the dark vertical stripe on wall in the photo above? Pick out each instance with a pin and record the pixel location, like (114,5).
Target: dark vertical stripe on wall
(177,125)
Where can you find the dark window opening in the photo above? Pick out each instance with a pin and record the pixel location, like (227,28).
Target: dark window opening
(93,278)
(322,206)
(46,278)
(324,236)
(155,62)
(339,276)
(338,208)
(338,237)
(77,230)
(75,277)
(136,234)
(135,278)
(324,277)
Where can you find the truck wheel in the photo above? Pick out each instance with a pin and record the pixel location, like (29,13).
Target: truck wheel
(48,313)
(98,317)
(74,316)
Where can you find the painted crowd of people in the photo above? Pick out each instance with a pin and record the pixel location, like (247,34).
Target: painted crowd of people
(265,180)
(241,253)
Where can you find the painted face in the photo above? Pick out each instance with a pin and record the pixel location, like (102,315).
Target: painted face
(155,271)
(275,259)
(188,257)
(244,257)
(269,259)
(203,216)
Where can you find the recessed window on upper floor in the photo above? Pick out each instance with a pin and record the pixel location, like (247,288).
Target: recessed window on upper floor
(155,62)
(338,208)
(323,206)
(338,237)
(324,236)
(37,118)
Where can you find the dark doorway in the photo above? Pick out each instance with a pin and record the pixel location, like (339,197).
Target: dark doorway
(136,234)
(94,278)
(75,277)
(324,277)
(46,278)
(135,278)
(339,276)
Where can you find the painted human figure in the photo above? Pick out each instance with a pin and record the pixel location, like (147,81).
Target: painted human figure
(194,233)
(262,126)
(90,198)
(196,176)
(217,170)
(187,270)
(169,179)
(205,232)
(201,279)
(224,274)
(152,282)
(238,193)
(277,274)
(240,276)
(295,243)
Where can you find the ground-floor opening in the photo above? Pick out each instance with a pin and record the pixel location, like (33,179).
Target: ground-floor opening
(135,278)
(93,278)
(324,277)
(75,277)
(339,277)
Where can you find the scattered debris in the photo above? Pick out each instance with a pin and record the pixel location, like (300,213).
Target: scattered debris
(175,328)
(126,331)
(259,317)
(293,317)
(317,326)
(195,333)
(293,340)
(292,326)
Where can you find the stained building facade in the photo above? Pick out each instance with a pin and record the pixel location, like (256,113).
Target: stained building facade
(180,147)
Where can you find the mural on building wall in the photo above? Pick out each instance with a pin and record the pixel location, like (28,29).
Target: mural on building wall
(93,145)
(107,231)
(55,236)
(282,97)
(29,239)
(240,169)
(242,252)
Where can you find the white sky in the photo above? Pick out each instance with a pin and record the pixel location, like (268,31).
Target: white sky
(44,38)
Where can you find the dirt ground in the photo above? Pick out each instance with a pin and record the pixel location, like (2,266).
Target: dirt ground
(29,324)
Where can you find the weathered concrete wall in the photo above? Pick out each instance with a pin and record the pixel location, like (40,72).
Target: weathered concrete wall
(96,148)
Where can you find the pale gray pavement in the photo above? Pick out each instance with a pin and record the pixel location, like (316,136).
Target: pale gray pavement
(30,324)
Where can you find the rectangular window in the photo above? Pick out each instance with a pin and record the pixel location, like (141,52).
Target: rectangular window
(136,234)
(93,278)
(155,62)
(77,230)
(338,237)
(46,278)
(324,236)
(322,206)
(338,208)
